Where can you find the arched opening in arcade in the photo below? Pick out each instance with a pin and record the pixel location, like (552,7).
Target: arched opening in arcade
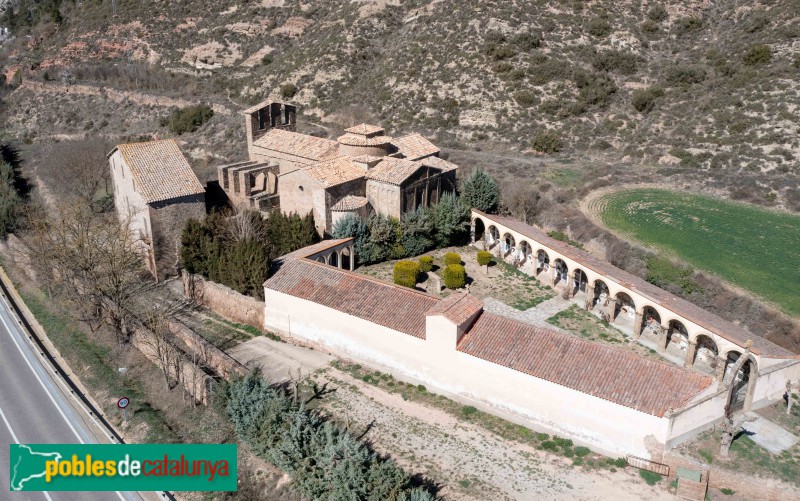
(478,231)
(492,237)
(561,272)
(677,336)
(706,355)
(730,361)
(542,262)
(347,259)
(742,383)
(601,293)
(509,245)
(624,309)
(333,259)
(651,323)
(524,254)
(580,281)
(322,259)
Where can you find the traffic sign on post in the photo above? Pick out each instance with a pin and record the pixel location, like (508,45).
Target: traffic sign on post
(122,403)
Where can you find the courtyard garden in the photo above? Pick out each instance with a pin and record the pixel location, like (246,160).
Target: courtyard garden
(498,280)
(748,246)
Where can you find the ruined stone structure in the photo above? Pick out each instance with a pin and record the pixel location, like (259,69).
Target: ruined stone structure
(609,398)
(363,170)
(155,193)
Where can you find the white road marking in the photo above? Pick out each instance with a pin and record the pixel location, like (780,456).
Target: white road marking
(44,387)
(16,441)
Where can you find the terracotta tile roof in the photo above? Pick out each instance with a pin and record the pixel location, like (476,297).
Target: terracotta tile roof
(605,372)
(393,170)
(335,171)
(301,145)
(398,308)
(350,203)
(313,249)
(361,140)
(365,130)
(414,146)
(439,163)
(458,307)
(712,323)
(160,170)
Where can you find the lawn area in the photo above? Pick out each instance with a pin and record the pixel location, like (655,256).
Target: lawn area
(750,247)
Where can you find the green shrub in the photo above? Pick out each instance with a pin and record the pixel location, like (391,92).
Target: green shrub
(616,61)
(406,273)
(525,98)
(452,258)
(425,264)
(547,141)
(599,28)
(727,491)
(485,258)
(650,477)
(480,191)
(468,410)
(527,41)
(187,119)
(688,25)
(266,60)
(644,100)
(621,462)
(454,276)
(288,90)
(502,67)
(657,13)
(758,55)
(582,451)
(685,74)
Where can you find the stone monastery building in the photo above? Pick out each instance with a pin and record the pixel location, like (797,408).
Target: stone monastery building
(363,170)
(156,193)
(607,397)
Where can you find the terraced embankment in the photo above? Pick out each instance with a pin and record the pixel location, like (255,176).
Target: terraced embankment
(750,247)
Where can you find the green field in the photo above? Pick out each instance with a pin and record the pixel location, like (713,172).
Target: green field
(755,249)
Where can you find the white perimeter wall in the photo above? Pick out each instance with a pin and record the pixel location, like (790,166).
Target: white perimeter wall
(603,425)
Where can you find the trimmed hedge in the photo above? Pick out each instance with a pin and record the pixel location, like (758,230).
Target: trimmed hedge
(425,264)
(454,276)
(485,258)
(406,273)
(452,258)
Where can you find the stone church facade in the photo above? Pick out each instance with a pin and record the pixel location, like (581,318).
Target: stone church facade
(361,171)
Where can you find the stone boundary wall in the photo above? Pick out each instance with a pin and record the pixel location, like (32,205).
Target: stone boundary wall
(214,358)
(224,301)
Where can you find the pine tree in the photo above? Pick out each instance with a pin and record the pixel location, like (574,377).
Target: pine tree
(10,200)
(417,228)
(451,221)
(480,191)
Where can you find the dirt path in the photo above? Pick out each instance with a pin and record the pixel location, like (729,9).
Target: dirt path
(470,462)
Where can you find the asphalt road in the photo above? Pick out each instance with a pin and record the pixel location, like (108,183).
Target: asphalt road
(35,410)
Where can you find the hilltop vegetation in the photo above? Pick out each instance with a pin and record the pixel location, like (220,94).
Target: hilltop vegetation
(696,85)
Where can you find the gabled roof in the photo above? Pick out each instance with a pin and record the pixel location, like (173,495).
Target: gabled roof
(613,374)
(160,170)
(393,170)
(350,203)
(336,171)
(300,145)
(414,146)
(458,307)
(398,308)
(658,296)
(439,163)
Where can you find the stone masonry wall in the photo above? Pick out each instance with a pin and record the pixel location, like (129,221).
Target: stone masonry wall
(224,301)
(168,220)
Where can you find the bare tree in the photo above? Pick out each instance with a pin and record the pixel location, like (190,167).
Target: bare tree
(246,225)
(90,259)
(159,339)
(79,169)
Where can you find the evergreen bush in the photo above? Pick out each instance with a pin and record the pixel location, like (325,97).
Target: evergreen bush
(452,258)
(480,191)
(406,273)
(547,141)
(485,258)
(454,276)
(187,119)
(425,264)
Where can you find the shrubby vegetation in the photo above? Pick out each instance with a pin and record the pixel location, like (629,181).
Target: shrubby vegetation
(452,258)
(547,141)
(188,119)
(425,264)
(324,459)
(455,276)
(480,191)
(236,249)
(406,273)
(10,201)
(381,237)
(644,100)
(485,258)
